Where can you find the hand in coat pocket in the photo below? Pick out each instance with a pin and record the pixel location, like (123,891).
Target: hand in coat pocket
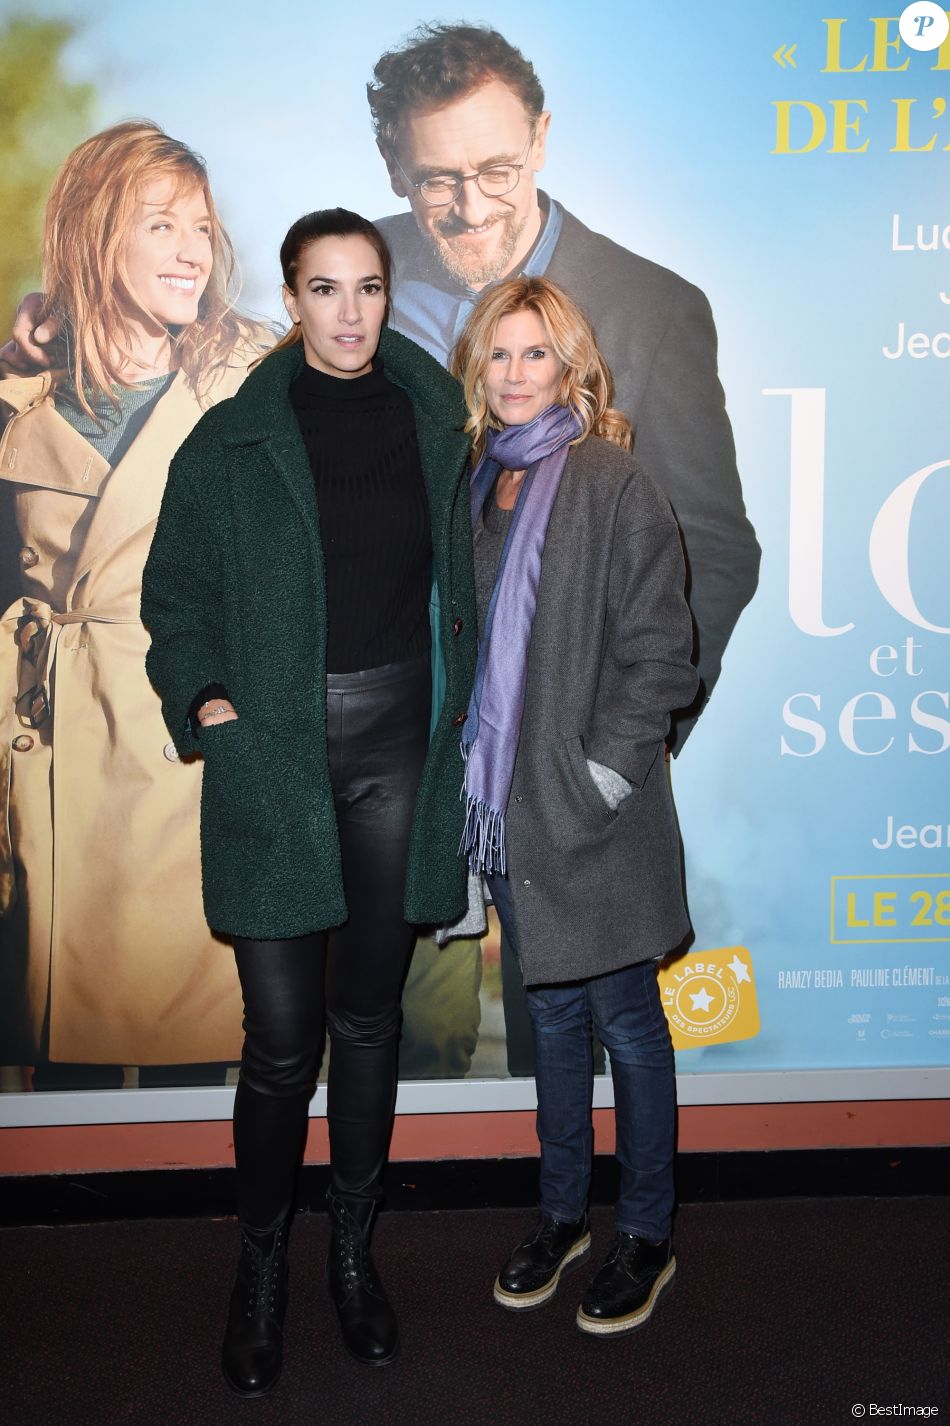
(215,711)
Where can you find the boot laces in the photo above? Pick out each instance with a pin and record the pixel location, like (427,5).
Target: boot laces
(356,1265)
(264,1276)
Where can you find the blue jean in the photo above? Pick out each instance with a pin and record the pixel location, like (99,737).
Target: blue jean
(625,1009)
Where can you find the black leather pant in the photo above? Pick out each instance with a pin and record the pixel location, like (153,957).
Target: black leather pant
(346,981)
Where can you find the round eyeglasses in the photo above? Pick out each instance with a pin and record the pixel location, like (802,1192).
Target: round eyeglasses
(495,181)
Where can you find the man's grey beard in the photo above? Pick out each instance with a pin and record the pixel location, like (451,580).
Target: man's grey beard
(472,274)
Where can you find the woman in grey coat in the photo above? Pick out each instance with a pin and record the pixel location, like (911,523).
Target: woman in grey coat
(585,641)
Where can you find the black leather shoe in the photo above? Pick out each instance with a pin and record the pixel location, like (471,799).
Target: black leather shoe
(253,1339)
(625,1291)
(367,1321)
(532,1273)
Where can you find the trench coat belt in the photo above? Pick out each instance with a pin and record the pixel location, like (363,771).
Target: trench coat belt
(29,634)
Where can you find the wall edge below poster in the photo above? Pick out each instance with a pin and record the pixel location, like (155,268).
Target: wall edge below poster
(153,1106)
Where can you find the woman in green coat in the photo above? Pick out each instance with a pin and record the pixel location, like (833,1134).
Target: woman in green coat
(306,524)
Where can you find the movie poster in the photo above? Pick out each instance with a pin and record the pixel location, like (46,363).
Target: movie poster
(791,166)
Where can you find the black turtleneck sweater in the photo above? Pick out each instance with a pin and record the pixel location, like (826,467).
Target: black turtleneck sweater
(360,435)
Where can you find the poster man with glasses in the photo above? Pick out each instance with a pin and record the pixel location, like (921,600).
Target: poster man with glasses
(460,122)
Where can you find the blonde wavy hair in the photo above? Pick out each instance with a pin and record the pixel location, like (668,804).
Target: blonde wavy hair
(586,384)
(90,211)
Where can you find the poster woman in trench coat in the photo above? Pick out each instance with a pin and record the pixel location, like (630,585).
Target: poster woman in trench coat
(106,955)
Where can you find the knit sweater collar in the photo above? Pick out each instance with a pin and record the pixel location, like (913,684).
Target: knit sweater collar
(312,384)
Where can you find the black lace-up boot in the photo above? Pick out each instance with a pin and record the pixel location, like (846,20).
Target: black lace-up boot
(367,1321)
(253,1339)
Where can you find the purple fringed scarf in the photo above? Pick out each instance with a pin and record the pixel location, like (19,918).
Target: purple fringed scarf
(493,727)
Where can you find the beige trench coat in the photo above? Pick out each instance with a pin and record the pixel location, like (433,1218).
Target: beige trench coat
(105,954)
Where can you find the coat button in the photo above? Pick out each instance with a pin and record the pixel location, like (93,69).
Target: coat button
(171,753)
(28,557)
(23,743)
(459,719)
(457,627)
(527,883)
(519,799)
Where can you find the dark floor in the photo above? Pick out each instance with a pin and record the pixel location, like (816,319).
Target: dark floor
(782,1312)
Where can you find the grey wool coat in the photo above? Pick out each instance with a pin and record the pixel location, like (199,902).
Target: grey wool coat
(609,660)
(234,593)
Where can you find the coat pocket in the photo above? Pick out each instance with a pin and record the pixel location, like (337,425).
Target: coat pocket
(589,791)
(236,808)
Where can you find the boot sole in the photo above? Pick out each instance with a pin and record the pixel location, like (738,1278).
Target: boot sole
(525,1301)
(616,1326)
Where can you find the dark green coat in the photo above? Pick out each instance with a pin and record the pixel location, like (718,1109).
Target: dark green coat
(234,593)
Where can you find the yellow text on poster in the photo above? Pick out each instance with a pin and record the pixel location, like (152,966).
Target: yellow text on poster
(709,997)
